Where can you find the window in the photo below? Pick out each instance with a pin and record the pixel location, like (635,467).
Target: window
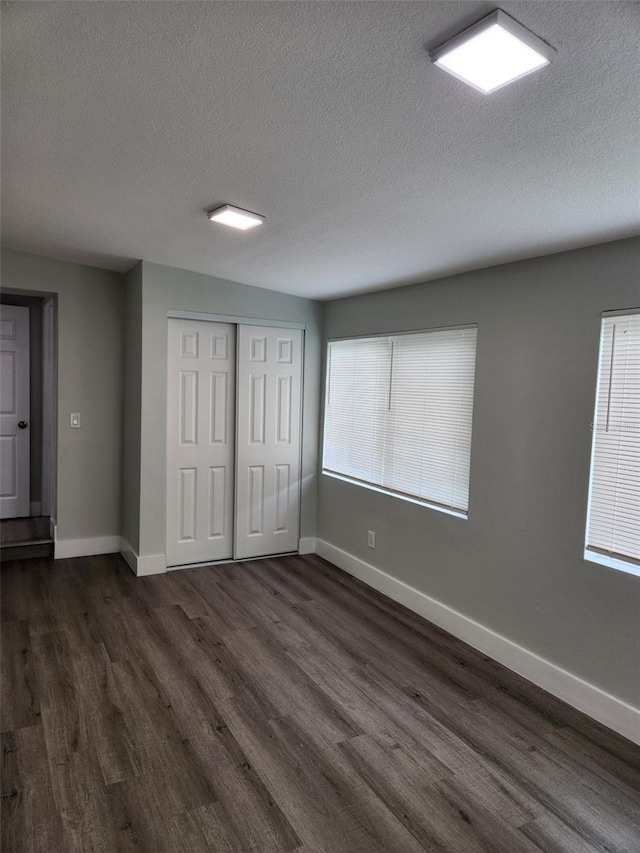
(398,414)
(613,518)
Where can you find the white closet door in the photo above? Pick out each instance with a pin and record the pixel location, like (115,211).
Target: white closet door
(201,426)
(268,440)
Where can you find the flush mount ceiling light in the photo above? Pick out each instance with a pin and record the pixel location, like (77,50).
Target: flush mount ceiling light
(235,217)
(493,53)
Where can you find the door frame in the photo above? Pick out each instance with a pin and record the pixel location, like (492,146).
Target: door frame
(232,318)
(49,408)
(175,314)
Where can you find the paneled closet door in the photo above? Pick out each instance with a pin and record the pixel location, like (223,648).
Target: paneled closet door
(268,440)
(200,441)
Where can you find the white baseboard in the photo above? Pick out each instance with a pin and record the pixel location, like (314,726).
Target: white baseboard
(150,564)
(307,545)
(64,548)
(586,697)
(35,508)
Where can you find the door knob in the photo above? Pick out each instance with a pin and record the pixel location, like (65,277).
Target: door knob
(22,425)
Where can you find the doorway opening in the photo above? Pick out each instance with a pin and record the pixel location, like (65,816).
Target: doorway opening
(27,424)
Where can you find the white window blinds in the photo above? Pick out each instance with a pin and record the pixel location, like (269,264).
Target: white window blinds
(613,523)
(398,413)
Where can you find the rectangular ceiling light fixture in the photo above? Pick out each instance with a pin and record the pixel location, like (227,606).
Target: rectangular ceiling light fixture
(493,53)
(235,217)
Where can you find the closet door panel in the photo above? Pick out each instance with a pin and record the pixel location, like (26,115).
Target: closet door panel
(200,439)
(268,440)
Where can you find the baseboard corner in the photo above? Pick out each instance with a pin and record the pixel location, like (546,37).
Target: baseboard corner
(128,554)
(307,545)
(142,566)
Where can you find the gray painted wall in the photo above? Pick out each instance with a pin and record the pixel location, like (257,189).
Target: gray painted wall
(165,289)
(34,304)
(516,564)
(89,368)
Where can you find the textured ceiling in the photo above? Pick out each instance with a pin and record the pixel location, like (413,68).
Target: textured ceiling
(123,122)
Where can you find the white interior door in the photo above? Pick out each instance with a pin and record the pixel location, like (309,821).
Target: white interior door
(201,430)
(14,411)
(268,440)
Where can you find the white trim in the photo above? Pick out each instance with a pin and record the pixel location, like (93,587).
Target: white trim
(35,508)
(586,697)
(65,548)
(421,330)
(622,312)
(612,562)
(204,565)
(307,545)
(128,555)
(49,406)
(230,561)
(230,318)
(150,564)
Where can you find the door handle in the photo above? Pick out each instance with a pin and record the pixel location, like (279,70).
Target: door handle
(22,425)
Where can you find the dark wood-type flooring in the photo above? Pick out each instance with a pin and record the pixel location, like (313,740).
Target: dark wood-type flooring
(25,538)
(281,705)
(16,531)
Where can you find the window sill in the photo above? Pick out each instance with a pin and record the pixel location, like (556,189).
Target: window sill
(419,501)
(612,562)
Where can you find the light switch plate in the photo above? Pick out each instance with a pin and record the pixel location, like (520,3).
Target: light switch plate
(74,420)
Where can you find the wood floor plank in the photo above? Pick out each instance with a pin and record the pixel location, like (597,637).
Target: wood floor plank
(240,791)
(31,823)
(486,825)
(102,719)
(144,819)
(554,836)
(227,614)
(596,816)
(164,747)
(324,803)
(347,686)
(22,750)
(216,830)
(18,681)
(13,603)
(276,706)
(493,791)
(53,656)
(81,799)
(227,775)
(617,770)
(201,651)
(286,685)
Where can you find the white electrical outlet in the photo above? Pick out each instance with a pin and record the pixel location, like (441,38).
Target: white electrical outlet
(371,539)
